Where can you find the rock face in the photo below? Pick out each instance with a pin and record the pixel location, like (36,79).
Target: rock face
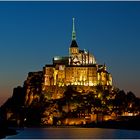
(67,105)
(33,86)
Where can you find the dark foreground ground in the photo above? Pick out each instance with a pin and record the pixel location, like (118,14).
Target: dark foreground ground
(5,131)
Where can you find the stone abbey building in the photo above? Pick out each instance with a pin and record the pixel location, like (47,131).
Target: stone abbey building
(79,69)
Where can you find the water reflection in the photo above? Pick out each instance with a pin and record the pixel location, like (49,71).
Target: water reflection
(75,133)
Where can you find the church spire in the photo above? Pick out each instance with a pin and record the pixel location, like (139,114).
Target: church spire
(73,30)
(73,43)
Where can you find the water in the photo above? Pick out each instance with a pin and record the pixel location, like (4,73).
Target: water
(75,133)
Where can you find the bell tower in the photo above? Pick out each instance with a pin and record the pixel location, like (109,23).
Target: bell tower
(73,47)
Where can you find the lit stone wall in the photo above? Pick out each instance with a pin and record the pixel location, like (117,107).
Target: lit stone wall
(86,76)
(76,75)
(48,76)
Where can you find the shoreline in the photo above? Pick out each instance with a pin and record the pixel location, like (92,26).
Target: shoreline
(123,125)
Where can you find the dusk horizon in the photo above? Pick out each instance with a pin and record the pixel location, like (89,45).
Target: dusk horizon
(32,33)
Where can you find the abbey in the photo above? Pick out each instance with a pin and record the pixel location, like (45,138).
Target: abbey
(78,68)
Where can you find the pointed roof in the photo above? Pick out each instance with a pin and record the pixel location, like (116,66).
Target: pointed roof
(74,44)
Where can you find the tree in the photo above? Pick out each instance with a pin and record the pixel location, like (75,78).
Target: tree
(120,101)
(131,98)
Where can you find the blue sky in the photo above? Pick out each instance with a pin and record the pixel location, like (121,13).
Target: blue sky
(31,33)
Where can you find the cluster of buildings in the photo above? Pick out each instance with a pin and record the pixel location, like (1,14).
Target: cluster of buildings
(78,70)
